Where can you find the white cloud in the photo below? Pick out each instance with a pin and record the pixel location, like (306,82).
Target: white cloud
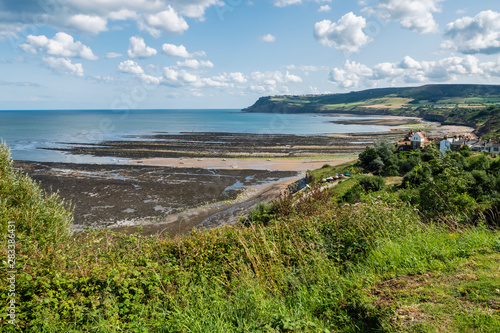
(180,51)
(138,49)
(87,23)
(268,38)
(345,35)
(416,15)
(167,20)
(106,79)
(112,55)
(273,78)
(283,3)
(351,74)
(195,8)
(91,16)
(238,77)
(479,34)
(131,67)
(122,15)
(309,68)
(324,8)
(291,78)
(175,51)
(195,64)
(64,65)
(61,45)
(409,70)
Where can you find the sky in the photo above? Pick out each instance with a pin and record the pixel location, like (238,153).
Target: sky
(203,54)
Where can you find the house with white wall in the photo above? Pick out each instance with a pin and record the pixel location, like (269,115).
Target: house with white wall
(417,141)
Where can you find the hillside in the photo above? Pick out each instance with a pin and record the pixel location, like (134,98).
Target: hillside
(458,104)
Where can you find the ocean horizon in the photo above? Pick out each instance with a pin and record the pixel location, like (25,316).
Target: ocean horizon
(28,132)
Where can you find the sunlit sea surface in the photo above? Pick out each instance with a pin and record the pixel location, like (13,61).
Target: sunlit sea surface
(27,132)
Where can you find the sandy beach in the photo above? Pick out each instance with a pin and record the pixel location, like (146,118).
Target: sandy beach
(278,164)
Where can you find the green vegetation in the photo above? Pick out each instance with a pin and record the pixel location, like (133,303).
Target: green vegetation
(303,264)
(40,218)
(454,104)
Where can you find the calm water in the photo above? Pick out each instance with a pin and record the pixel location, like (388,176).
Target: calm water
(28,131)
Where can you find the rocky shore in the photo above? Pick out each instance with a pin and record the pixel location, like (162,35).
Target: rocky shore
(124,195)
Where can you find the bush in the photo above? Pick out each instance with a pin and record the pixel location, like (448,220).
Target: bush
(372,184)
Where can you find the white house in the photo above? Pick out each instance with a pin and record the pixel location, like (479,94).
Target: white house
(445,145)
(417,141)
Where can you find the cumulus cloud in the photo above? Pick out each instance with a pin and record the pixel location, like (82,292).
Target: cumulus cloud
(195,8)
(268,38)
(122,15)
(180,51)
(131,67)
(168,20)
(61,44)
(64,65)
(138,49)
(479,34)
(274,77)
(195,64)
(87,23)
(92,16)
(175,51)
(350,75)
(238,77)
(324,8)
(416,15)
(345,35)
(409,70)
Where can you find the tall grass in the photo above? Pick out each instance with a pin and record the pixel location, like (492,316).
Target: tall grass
(38,216)
(306,269)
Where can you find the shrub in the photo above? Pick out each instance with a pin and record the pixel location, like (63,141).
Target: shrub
(372,184)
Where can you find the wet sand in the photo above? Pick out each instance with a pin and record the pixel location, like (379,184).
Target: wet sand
(114,196)
(278,164)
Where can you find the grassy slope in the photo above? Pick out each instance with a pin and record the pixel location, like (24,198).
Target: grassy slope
(318,267)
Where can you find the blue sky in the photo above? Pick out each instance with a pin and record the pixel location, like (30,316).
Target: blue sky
(92,54)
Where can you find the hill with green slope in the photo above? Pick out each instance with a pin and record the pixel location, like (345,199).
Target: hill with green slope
(458,104)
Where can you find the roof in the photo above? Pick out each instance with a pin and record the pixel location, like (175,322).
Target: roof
(420,135)
(447,139)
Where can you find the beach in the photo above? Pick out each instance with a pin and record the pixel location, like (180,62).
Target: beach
(174,182)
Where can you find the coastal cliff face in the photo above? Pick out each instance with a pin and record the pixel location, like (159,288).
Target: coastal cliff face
(267,105)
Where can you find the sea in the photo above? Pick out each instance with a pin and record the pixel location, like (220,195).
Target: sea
(28,133)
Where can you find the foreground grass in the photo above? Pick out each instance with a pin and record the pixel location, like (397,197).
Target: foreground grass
(313,267)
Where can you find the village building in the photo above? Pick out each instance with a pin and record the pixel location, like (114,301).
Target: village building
(418,141)
(445,145)
(455,143)
(413,141)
